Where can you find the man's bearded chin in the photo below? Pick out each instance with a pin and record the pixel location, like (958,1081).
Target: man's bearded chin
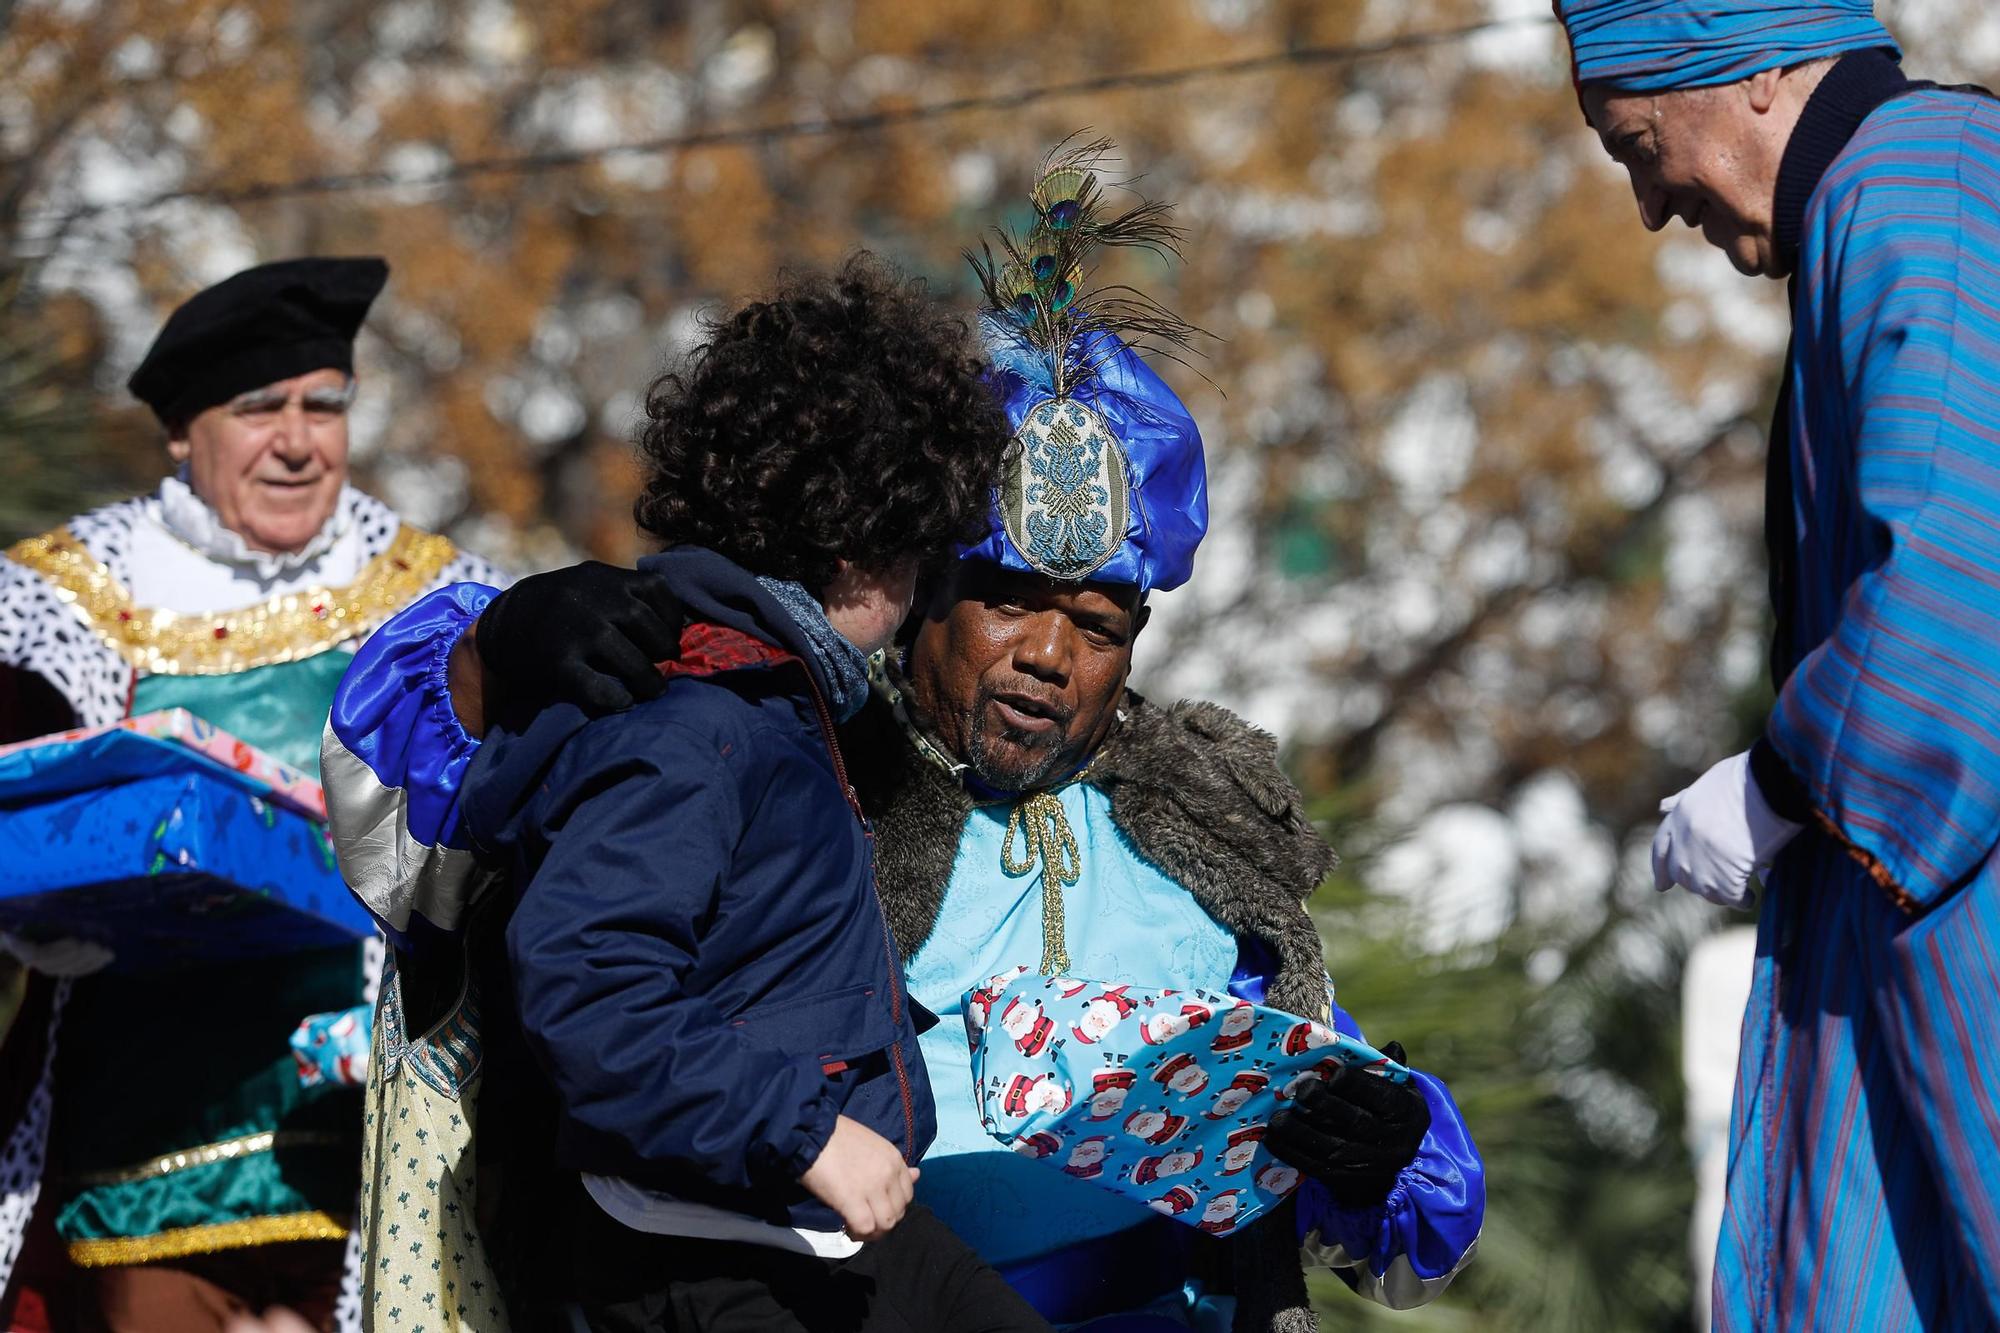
(1006,759)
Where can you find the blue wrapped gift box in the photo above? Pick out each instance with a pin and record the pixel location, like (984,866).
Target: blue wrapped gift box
(166,857)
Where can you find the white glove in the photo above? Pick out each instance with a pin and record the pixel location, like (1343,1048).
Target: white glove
(57,958)
(1716,833)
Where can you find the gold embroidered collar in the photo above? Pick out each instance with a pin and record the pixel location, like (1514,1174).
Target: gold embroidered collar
(286,628)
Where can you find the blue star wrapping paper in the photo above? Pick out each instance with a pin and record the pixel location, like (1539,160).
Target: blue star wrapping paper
(169,842)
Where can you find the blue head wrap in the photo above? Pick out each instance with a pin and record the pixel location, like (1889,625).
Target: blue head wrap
(1658,45)
(1108,482)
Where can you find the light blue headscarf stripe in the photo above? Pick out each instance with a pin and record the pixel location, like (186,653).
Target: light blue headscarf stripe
(1655,45)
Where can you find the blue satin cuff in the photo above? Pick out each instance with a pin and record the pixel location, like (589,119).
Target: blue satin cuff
(1434,1213)
(393,710)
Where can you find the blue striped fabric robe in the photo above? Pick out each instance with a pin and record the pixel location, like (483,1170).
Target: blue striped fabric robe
(1864,1171)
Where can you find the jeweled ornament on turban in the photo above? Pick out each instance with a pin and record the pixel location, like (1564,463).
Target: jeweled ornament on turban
(1107,481)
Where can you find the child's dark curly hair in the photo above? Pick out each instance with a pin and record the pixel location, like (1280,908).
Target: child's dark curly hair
(842,419)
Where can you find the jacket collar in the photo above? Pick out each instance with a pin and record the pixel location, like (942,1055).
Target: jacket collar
(716,591)
(1859,82)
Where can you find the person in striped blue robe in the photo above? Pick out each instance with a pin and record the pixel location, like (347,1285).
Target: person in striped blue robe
(1861,1188)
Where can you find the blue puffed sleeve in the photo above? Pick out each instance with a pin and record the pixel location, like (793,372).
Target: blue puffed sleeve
(1406,1250)
(393,761)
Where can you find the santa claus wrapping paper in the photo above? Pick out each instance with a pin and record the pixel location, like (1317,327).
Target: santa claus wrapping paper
(1159,1095)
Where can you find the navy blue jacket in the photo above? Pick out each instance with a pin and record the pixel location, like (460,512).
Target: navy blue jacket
(699,961)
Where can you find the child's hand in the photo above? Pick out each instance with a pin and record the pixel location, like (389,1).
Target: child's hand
(861,1176)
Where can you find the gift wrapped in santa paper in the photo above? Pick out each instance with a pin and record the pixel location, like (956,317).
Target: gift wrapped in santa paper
(170,842)
(1159,1095)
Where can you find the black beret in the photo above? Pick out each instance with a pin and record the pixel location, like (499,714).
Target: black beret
(265,324)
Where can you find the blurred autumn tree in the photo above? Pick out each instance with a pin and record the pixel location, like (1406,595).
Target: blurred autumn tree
(1485,459)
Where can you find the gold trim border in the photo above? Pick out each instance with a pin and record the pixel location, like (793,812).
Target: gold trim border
(286,628)
(180,1242)
(222,1150)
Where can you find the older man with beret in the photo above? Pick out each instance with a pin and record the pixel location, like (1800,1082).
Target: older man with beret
(1867,1120)
(193,1177)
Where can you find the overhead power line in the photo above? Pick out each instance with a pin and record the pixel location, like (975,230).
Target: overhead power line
(821,127)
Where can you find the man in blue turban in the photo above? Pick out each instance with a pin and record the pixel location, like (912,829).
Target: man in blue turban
(1867,1119)
(1028,810)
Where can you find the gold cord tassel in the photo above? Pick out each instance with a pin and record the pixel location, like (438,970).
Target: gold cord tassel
(1049,840)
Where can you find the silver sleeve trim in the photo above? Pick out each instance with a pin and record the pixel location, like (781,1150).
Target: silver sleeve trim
(1399,1288)
(393,874)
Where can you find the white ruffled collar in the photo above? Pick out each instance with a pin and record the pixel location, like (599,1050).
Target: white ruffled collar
(189,517)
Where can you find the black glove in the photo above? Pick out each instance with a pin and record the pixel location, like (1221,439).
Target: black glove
(1354,1132)
(588,635)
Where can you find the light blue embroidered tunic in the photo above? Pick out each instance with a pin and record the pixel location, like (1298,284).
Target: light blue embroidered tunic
(1126,921)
